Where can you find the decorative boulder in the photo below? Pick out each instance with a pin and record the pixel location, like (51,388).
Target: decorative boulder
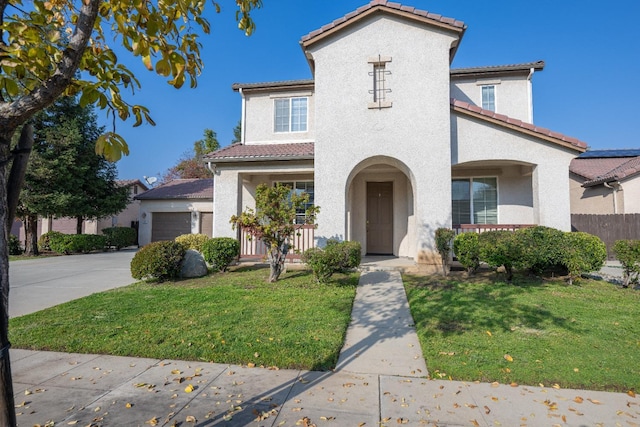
(193,265)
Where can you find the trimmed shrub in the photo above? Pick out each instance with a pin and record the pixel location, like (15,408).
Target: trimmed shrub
(44,242)
(76,243)
(467,250)
(348,254)
(335,257)
(501,248)
(628,253)
(193,241)
(319,263)
(220,252)
(583,253)
(119,237)
(542,248)
(444,236)
(158,260)
(14,245)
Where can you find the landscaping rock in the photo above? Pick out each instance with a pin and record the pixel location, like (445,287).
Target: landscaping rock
(193,265)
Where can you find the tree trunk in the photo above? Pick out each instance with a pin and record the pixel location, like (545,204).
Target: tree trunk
(31,235)
(79,220)
(18,171)
(7,405)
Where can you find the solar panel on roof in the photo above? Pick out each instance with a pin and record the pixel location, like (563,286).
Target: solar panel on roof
(591,154)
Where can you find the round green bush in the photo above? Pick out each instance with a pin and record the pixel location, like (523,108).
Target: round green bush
(120,237)
(542,247)
(158,260)
(628,253)
(193,241)
(501,248)
(467,250)
(14,245)
(220,252)
(44,242)
(583,253)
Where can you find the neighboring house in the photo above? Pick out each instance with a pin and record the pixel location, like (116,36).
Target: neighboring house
(392,143)
(127,218)
(181,206)
(606,182)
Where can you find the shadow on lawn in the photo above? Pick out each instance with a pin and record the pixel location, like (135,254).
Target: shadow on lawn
(455,305)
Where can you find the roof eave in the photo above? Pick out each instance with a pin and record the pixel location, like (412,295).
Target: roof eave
(257,159)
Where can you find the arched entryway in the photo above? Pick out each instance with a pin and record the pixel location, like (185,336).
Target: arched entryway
(380,199)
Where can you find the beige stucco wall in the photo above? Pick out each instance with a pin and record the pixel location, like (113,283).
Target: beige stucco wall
(474,141)
(259,118)
(414,131)
(515,197)
(600,199)
(148,207)
(235,186)
(512,95)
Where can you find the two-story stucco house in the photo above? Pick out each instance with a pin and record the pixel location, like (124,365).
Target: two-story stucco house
(392,143)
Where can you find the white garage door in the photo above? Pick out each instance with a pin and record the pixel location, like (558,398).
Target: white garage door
(169,225)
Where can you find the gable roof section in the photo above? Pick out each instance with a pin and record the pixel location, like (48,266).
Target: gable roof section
(598,170)
(385,6)
(262,152)
(130,182)
(517,125)
(180,189)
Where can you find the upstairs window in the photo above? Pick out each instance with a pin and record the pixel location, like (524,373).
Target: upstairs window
(489,98)
(380,83)
(474,201)
(290,114)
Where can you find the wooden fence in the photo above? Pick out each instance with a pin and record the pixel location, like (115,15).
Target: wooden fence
(608,227)
(301,240)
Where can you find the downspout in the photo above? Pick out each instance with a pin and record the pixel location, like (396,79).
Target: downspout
(530,94)
(615,187)
(242,116)
(212,168)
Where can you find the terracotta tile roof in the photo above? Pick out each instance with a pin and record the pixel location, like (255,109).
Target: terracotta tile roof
(180,189)
(388,6)
(518,125)
(498,69)
(597,170)
(290,151)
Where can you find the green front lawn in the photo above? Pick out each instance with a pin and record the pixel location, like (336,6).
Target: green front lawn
(530,332)
(233,317)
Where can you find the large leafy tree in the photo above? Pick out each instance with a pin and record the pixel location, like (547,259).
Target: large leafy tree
(38,64)
(191,164)
(274,221)
(65,176)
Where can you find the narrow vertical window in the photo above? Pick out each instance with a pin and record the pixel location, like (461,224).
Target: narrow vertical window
(489,98)
(380,83)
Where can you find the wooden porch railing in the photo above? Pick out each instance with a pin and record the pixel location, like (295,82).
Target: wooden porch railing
(302,239)
(479,228)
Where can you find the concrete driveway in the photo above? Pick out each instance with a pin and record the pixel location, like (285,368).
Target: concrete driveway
(44,282)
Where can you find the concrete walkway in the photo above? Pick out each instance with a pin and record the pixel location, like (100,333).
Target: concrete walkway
(381,338)
(377,383)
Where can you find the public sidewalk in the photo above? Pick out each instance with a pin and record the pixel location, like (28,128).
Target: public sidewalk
(378,381)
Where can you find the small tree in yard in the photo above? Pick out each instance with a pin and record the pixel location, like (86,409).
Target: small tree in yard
(444,236)
(274,221)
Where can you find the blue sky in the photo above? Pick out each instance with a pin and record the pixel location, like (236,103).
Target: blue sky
(589,88)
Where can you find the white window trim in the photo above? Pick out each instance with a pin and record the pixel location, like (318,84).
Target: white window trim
(375,61)
(470,179)
(495,96)
(290,98)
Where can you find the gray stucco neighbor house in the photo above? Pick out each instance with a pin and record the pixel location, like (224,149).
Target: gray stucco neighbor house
(392,143)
